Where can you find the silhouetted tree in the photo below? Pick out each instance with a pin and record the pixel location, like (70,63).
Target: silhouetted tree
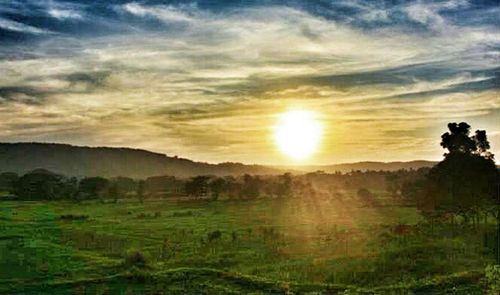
(413,190)
(457,140)
(232,187)
(251,187)
(164,184)
(217,186)
(284,185)
(113,192)
(70,189)
(8,182)
(124,185)
(40,184)
(140,191)
(464,182)
(197,186)
(93,187)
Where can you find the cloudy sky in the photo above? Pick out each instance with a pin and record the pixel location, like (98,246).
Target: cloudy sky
(207,80)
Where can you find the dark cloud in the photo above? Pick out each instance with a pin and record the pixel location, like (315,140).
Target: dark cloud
(397,76)
(92,79)
(22,94)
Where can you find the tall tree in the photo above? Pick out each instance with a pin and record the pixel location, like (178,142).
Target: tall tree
(464,182)
(251,187)
(140,191)
(93,187)
(40,184)
(113,192)
(197,186)
(284,185)
(217,186)
(8,181)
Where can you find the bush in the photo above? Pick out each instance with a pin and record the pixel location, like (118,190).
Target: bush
(70,217)
(364,193)
(215,235)
(492,274)
(182,214)
(136,258)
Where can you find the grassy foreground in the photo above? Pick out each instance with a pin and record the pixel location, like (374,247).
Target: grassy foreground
(261,246)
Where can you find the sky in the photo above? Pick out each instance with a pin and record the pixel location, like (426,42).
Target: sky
(208,80)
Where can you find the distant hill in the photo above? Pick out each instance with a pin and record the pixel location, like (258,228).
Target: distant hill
(110,162)
(363,166)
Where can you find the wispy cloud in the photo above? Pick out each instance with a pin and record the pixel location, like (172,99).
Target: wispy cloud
(430,13)
(11,25)
(64,13)
(164,13)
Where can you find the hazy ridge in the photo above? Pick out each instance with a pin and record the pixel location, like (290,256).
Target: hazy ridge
(110,162)
(137,163)
(366,165)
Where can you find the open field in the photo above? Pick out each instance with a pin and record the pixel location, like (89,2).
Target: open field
(256,246)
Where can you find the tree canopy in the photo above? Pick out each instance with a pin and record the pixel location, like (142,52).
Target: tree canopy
(457,140)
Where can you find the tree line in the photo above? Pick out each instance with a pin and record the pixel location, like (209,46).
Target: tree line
(41,184)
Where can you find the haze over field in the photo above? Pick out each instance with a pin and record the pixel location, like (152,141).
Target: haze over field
(210,80)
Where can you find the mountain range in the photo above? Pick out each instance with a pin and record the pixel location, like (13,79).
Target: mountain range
(363,166)
(111,162)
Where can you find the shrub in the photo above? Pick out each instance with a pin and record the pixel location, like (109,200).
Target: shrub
(70,217)
(182,214)
(364,193)
(136,258)
(492,274)
(215,235)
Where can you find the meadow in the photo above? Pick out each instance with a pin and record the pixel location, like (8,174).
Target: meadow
(297,245)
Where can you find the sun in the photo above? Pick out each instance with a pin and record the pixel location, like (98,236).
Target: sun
(298,133)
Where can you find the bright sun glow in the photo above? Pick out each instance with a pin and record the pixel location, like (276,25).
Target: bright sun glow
(298,133)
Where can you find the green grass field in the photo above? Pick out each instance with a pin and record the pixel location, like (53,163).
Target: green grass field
(261,246)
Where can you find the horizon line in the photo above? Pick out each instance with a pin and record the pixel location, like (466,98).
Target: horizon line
(217,163)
